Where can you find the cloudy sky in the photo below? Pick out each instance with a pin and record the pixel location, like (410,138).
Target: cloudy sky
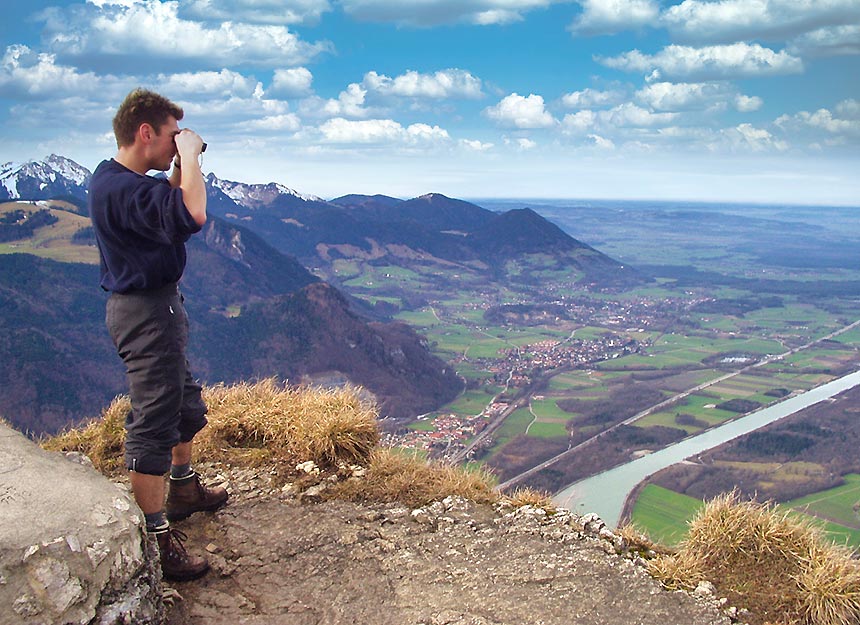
(720,100)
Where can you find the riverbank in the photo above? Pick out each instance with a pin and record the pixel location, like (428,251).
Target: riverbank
(606,492)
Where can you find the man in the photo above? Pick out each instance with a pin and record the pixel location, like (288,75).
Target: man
(141,225)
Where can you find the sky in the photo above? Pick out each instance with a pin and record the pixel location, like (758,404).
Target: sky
(714,100)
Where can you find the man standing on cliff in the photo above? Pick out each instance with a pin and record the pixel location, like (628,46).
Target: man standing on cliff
(141,225)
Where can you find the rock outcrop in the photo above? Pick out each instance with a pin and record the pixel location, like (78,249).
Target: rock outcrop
(72,548)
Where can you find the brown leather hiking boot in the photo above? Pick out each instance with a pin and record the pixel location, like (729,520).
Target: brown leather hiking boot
(176,563)
(188,495)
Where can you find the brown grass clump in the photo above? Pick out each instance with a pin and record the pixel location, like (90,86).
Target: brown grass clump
(404,478)
(265,421)
(531,497)
(251,425)
(779,567)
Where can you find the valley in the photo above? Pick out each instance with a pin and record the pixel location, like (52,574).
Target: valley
(489,334)
(551,365)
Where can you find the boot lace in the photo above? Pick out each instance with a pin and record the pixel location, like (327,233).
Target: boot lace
(175,548)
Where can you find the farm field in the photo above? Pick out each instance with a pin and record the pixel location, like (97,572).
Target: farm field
(663,514)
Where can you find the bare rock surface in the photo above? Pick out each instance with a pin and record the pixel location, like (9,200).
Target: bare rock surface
(282,560)
(72,548)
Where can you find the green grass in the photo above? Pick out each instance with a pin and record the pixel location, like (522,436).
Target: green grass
(545,429)
(514,425)
(663,514)
(471,402)
(548,410)
(852,337)
(422,318)
(836,504)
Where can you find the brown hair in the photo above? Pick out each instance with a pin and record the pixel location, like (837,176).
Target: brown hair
(142,106)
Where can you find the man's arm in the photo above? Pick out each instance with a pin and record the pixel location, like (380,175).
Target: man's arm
(188,177)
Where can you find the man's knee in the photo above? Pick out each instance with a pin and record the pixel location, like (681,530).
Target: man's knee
(190,424)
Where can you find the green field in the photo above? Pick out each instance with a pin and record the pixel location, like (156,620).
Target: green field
(836,504)
(663,514)
(514,425)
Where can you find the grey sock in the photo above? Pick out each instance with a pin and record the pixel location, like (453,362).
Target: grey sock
(178,471)
(156,521)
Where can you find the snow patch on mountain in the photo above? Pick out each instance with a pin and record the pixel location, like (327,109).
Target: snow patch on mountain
(254,195)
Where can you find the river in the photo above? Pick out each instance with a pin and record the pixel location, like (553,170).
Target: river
(606,492)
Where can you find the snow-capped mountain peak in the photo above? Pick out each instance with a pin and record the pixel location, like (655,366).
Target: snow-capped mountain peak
(56,176)
(256,195)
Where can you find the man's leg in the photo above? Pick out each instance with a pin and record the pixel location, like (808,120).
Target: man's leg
(148,491)
(150,340)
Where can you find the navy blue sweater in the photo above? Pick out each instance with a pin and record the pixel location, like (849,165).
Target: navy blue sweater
(141,226)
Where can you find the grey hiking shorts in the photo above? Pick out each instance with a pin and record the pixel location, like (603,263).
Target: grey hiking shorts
(150,332)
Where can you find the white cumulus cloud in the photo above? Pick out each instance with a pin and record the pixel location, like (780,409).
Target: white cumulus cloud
(748,138)
(600,17)
(848,109)
(288,122)
(735,20)
(828,41)
(138,34)
(738,60)
(225,83)
(381,131)
(592,98)
(295,81)
(824,119)
(601,143)
(257,11)
(435,12)
(747,104)
(667,96)
(349,102)
(521,112)
(477,146)
(630,115)
(579,123)
(447,83)
(27,74)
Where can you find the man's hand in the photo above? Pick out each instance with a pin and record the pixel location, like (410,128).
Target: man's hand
(189,145)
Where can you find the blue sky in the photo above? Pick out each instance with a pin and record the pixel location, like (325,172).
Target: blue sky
(717,100)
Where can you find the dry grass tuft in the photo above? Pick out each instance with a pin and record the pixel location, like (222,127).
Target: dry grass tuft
(830,588)
(251,425)
(255,424)
(531,497)
(779,567)
(404,478)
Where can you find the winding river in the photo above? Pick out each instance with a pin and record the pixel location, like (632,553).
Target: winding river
(605,493)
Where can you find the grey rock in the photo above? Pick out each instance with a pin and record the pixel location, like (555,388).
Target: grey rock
(72,549)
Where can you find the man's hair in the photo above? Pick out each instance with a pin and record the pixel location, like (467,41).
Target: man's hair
(142,106)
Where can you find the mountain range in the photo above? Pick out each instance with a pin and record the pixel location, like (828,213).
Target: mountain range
(256,310)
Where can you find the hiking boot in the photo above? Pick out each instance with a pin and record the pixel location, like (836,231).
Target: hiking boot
(176,563)
(188,495)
